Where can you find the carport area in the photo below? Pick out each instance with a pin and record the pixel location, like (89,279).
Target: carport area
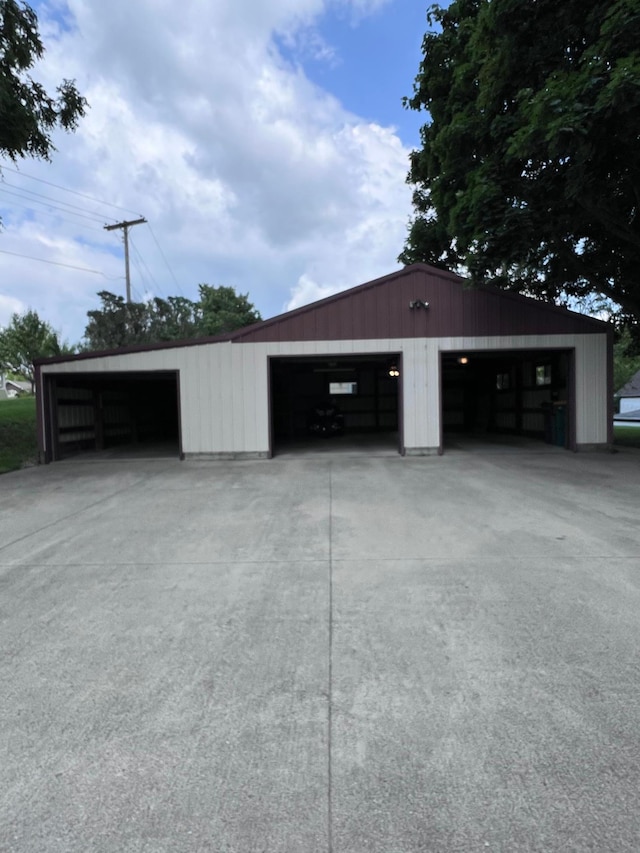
(492,398)
(356,397)
(308,654)
(112,414)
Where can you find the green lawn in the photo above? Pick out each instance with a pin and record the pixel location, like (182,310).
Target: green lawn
(18,442)
(626,436)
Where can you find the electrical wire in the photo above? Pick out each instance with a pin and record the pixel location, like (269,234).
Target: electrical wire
(66,190)
(83,213)
(56,216)
(60,264)
(87,214)
(144,263)
(140,273)
(177,283)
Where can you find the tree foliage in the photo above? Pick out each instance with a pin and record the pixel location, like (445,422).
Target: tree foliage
(528,176)
(222,310)
(28,114)
(25,339)
(117,323)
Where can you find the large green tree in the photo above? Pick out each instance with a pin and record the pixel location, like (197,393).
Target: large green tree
(528,175)
(221,310)
(28,114)
(118,323)
(25,339)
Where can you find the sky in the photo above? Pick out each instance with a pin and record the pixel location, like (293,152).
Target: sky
(265,143)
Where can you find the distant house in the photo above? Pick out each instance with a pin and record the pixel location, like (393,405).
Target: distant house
(629,395)
(14,387)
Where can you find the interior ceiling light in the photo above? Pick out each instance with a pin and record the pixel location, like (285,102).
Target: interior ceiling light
(463,360)
(393,371)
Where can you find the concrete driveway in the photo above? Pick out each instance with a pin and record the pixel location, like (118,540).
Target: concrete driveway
(357,655)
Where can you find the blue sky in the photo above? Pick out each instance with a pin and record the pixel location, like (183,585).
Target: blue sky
(376,59)
(266,144)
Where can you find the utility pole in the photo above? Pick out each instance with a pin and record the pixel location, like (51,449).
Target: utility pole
(125,228)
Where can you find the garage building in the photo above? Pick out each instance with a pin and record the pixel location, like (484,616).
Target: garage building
(412,359)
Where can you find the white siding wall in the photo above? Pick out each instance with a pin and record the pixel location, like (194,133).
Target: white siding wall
(225,396)
(592,391)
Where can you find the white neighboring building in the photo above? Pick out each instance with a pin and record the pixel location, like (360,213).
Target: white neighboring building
(629,395)
(13,387)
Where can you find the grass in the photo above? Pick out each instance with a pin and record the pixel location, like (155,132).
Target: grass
(18,441)
(626,436)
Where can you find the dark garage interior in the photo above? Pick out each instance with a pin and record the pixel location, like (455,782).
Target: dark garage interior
(132,412)
(511,393)
(364,390)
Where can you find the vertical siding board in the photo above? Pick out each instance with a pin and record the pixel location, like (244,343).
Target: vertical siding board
(248,398)
(433,408)
(592,388)
(206,405)
(186,394)
(223,369)
(261,369)
(199,403)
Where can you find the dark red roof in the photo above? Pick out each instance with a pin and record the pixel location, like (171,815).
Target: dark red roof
(383,309)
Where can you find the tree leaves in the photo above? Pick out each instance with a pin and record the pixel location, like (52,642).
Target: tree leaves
(118,324)
(25,339)
(28,113)
(528,175)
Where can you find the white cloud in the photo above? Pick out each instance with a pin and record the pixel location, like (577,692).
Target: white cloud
(249,174)
(8,307)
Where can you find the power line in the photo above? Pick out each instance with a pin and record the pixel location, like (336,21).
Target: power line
(145,283)
(48,206)
(56,216)
(144,263)
(66,190)
(85,214)
(165,260)
(59,264)
(89,215)
(93,214)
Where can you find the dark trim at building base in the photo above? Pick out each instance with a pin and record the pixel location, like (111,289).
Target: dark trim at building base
(226,455)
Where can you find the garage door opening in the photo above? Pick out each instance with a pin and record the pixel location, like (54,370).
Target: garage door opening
(115,415)
(336,403)
(510,398)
